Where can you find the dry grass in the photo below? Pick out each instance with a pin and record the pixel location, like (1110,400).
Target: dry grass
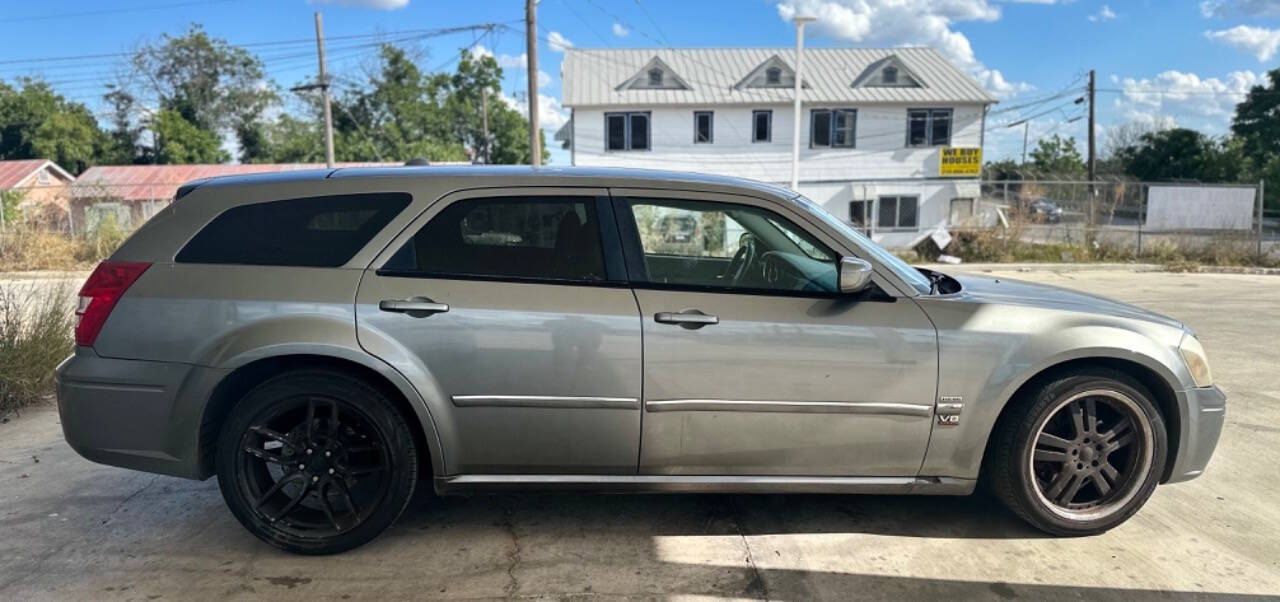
(1175,252)
(36,327)
(24,248)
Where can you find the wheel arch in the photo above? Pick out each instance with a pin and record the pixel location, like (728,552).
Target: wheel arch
(1163,394)
(232,387)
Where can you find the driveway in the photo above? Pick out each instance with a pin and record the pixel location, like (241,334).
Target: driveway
(73,529)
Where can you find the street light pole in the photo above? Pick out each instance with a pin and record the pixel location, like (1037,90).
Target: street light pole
(796,117)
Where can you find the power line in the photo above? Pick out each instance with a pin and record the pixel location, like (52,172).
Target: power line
(305,41)
(109,11)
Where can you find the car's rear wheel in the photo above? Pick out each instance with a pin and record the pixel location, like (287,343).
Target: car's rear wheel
(316,462)
(1081,455)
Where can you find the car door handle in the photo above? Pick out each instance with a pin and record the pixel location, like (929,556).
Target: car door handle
(416,305)
(689,318)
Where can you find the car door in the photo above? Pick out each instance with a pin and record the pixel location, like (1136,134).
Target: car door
(754,363)
(515,312)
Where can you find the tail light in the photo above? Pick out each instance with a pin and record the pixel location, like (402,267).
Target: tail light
(99,295)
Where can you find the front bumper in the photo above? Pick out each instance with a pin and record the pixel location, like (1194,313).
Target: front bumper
(1201,427)
(136,414)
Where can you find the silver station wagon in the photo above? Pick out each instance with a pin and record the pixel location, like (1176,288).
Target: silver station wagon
(325,342)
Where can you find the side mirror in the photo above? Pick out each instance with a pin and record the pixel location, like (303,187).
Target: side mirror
(855,275)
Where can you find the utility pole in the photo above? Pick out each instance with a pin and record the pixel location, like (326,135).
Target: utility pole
(531,45)
(324,94)
(796,116)
(1026,127)
(484,121)
(1093,161)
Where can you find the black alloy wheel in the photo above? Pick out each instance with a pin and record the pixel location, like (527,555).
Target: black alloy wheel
(316,462)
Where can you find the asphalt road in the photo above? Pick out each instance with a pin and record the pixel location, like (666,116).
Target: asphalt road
(70,529)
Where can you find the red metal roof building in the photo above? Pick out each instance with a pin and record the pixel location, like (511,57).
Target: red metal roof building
(135,183)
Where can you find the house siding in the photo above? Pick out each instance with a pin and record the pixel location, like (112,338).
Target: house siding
(880,164)
(880,151)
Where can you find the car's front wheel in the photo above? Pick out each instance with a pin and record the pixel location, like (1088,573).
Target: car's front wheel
(1081,455)
(316,462)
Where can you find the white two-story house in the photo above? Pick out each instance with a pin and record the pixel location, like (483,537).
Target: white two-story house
(875,125)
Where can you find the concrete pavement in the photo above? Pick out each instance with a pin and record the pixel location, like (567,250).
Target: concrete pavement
(73,529)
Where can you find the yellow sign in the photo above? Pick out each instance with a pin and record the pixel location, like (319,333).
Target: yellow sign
(960,161)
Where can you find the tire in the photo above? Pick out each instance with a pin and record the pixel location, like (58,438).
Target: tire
(1069,481)
(316,462)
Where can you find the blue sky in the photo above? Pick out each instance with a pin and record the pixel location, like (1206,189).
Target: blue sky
(1181,61)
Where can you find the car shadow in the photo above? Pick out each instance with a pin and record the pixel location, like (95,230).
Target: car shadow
(977,516)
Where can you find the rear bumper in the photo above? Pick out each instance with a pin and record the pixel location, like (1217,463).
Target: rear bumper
(134,414)
(1202,425)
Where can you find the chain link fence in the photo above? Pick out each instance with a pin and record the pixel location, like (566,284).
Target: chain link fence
(56,227)
(74,225)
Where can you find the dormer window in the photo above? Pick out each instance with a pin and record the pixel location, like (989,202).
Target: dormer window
(773,76)
(889,75)
(655,75)
(655,78)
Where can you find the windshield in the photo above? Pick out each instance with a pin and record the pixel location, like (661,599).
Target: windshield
(909,274)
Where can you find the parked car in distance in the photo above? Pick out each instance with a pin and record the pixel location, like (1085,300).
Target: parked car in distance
(326,342)
(1039,210)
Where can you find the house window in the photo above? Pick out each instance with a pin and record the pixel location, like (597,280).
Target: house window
(773,76)
(889,75)
(898,213)
(43,178)
(761,126)
(832,128)
(961,210)
(655,78)
(929,127)
(702,127)
(626,131)
(860,214)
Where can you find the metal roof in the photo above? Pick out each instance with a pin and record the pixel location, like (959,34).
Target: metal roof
(589,76)
(15,173)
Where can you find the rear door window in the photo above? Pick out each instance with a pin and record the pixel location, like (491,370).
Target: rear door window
(539,238)
(323,231)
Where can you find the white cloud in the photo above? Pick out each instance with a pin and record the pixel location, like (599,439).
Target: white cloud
(558,42)
(375,4)
(1258,41)
(908,23)
(1205,103)
(544,79)
(506,61)
(1103,14)
(620,30)
(551,115)
(1247,8)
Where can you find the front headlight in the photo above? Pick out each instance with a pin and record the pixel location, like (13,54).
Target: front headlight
(1197,361)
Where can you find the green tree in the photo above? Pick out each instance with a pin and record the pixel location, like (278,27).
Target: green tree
(1057,155)
(1181,153)
(212,85)
(1257,120)
(37,123)
(508,140)
(178,141)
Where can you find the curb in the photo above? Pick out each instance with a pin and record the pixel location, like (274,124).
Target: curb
(1103,267)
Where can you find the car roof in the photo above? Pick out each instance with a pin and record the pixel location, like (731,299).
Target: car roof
(512,175)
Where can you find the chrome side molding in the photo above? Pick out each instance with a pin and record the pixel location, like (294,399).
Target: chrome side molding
(799,407)
(545,401)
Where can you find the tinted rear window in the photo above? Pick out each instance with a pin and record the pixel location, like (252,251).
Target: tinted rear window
(323,231)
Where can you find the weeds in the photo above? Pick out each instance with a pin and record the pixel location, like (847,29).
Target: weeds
(1184,253)
(24,248)
(36,324)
